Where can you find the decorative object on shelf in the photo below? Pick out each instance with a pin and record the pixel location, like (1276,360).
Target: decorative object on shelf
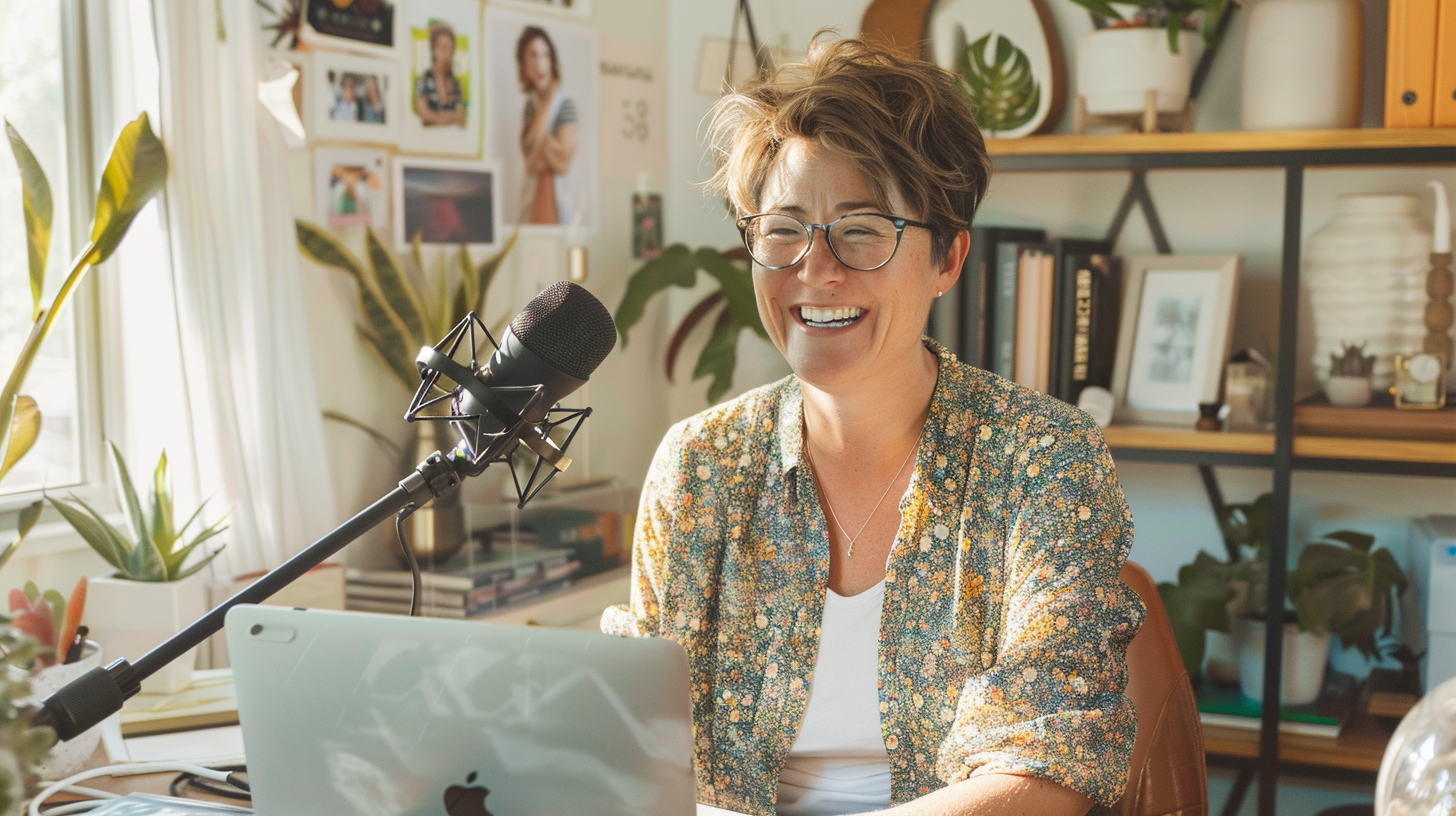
(1139,72)
(1418,771)
(398,315)
(1209,418)
(1349,382)
(1439,279)
(1177,320)
(1365,269)
(1246,389)
(1097,401)
(1420,381)
(1305,656)
(1303,64)
(1007,59)
(734,301)
(153,592)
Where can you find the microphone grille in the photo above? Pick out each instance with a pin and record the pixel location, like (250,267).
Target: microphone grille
(568,327)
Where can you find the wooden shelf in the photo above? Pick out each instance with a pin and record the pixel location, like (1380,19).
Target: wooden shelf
(1357,749)
(1180,445)
(1377,450)
(1225,142)
(1155,437)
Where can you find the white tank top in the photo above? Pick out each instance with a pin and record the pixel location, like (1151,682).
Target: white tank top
(838,763)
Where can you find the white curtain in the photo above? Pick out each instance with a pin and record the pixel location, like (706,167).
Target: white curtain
(250,395)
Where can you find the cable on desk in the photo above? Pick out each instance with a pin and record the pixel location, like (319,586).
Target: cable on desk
(131,769)
(236,786)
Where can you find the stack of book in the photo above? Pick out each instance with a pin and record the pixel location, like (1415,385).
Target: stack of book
(1221,705)
(1042,313)
(466,586)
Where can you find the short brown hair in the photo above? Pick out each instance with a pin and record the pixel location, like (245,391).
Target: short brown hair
(899,120)
(528,34)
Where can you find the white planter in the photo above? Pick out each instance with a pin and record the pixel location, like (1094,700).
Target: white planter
(68,757)
(1221,652)
(1348,392)
(1365,270)
(129,618)
(1303,62)
(1305,656)
(1116,67)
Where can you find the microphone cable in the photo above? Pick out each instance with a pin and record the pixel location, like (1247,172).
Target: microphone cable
(416,583)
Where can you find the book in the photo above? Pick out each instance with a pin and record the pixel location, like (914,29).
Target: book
(988,297)
(1227,706)
(1410,64)
(1084,317)
(459,604)
(210,701)
(463,574)
(1444,91)
(1028,297)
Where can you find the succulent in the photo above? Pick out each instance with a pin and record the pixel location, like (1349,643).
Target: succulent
(1351,361)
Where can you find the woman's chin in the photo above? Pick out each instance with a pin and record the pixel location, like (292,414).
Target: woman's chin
(825,367)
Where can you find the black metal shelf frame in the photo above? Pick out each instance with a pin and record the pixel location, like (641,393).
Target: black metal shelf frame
(1282,462)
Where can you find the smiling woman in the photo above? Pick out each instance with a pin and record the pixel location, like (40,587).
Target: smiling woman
(961,649)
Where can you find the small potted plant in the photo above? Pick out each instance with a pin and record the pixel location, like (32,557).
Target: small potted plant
(22,749)
(1349,382)
(153,591)
(1155,48)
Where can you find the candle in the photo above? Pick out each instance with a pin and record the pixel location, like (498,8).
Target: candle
(1441,241)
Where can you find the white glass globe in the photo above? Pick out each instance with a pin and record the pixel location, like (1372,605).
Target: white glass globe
(1418,773)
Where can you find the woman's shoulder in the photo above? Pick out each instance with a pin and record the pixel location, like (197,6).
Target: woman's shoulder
(999,407)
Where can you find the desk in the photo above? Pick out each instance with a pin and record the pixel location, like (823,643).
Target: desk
(1353,756)
(155,783)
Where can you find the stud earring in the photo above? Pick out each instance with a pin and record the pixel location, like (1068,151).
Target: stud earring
(938,293)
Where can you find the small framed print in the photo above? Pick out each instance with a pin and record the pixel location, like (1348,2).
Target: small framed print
(646,225)
(445,202)
(351,188)
(440,42)
(354,24)
(353,98)
(1173,341)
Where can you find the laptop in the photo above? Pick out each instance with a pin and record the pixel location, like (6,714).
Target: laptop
(383,715)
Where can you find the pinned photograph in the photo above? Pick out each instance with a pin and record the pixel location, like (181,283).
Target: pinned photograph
(646,225)
(442,47)
(354,98)
(575,8)
(544,105)
(350,23)
(352,188)
(445,202)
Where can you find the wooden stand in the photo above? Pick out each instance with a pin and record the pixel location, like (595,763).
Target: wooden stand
(1148,120)
(1438,310)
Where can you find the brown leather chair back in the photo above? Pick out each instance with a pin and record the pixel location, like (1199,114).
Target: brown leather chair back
(1167,776)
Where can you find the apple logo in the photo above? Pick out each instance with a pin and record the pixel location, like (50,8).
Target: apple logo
(463,801)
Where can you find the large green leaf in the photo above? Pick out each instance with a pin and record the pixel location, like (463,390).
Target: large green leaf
(161,531)
(106,540)
(134,175)
(396,291)
(389,353)
(146,563)
(737,286)
(1196,604)
(321,247)
(719,357)
(676,266)
(35,193)
(24,524)
(24,431)
(1003,92)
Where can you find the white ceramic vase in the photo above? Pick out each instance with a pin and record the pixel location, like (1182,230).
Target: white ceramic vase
(1303,63)
(1348,392)
(1116,67)
(129,618)
(67,757)
(1305,656)
(1365,271)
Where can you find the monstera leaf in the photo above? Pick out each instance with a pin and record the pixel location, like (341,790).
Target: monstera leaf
(1003,92)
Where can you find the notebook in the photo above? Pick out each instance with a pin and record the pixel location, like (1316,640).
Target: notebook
(384,715)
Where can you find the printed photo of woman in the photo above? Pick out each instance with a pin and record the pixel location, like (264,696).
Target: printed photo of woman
(438,99)
(548,131)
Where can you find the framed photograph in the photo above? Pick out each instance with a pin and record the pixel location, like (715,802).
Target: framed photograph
(646,225)
(1177,321)
(543,74)
(352,98)
(351,188)
(575,8)
(356,24)
(446,202)
(440,41)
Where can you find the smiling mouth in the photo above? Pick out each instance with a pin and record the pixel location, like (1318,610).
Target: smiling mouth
(829,318)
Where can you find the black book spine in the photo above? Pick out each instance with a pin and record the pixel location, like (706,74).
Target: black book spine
(976,276)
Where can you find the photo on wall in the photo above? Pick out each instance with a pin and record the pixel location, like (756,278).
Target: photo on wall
(543,75)
(353,98)
(646,225)
(445,202)
(440,41)
(351,188)
(576,8)
(366,24)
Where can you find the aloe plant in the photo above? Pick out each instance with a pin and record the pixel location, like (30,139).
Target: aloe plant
(734,303)
(148,550)
(397,316)
(1169,14)
(133,176)
(1002,92)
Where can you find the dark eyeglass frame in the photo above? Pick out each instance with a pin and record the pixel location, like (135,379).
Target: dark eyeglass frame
(900,225)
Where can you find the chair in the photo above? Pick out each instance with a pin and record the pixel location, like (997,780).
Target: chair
(1167,775)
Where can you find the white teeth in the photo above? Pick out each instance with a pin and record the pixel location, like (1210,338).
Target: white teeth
(829,317)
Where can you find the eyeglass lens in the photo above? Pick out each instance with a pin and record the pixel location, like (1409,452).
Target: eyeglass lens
(861,242)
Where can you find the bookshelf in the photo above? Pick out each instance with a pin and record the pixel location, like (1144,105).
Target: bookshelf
(1265,753)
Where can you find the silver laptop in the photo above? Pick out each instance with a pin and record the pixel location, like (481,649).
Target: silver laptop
(382,715)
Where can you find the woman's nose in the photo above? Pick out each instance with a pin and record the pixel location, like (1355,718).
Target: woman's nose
(820,267)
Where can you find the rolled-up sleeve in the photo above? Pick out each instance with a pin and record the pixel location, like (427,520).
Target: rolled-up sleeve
(642,615)
(1052,704)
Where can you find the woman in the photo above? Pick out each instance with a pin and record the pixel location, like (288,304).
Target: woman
(548,131)
(373,111)
(947,636)
(437,93)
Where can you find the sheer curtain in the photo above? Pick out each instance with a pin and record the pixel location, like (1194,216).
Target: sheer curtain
(247,385)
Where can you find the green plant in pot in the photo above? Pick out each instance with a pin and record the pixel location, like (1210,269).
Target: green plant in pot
(23,749)
(157,585)
(402,309)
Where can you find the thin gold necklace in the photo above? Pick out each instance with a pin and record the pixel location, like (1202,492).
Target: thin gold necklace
(850,553)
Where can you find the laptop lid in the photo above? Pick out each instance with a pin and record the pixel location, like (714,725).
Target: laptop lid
(384,715)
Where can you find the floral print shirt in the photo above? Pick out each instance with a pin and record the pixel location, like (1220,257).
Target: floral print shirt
(1005,627)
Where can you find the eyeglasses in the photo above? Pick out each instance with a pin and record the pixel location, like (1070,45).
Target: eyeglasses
(861,241)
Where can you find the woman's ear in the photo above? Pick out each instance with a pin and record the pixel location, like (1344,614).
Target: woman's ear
(955,258)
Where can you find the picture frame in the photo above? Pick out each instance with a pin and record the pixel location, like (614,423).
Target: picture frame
(564,100)
(352,188)
(352,98)
(440,45)
(451,202)
(1174,336)
(361,25)
(565,8)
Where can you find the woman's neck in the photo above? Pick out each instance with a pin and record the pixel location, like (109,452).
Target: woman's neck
(878,417)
